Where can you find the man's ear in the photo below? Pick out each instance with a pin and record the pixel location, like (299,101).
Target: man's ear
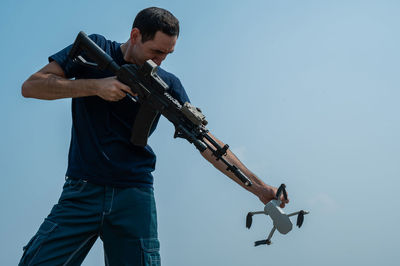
(136,36)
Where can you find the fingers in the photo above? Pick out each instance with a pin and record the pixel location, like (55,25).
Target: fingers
(113,94)
(283,201)
(120,90)
(124,87)
(110,89)
(268,193)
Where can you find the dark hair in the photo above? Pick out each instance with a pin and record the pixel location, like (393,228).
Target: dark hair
(153,19)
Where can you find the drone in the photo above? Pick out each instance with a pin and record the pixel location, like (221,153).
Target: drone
(280,219)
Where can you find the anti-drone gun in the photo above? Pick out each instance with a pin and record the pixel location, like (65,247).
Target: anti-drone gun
(154,99)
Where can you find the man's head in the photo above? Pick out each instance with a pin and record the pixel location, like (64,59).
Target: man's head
(153,36)
(153,19)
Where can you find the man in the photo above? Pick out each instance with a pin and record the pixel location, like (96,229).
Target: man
(108,190)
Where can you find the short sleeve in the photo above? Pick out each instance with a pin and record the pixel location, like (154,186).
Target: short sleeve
(70,68)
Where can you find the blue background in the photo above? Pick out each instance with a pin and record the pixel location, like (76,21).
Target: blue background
(305,92)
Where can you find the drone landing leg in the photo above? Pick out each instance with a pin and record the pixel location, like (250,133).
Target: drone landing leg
(268,240)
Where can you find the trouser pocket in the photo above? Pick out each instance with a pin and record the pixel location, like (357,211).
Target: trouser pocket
(33,247)
(150,252)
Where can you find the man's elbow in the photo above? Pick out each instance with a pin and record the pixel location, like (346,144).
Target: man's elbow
(26,89)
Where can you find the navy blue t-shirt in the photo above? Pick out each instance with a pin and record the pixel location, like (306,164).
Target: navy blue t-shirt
(100,149)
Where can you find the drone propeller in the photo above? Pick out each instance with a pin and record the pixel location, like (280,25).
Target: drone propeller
(249,220)
(300,218)
(281,189)
(285,194)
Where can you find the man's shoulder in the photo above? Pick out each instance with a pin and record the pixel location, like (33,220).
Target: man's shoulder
(165,75)
(175,85)
(173,81)
(103,41)
(98,39)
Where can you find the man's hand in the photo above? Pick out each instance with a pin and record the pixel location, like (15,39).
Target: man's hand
(110,89)
(268,193)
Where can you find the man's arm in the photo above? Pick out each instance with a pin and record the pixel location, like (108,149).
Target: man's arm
(50,83)
(263,191)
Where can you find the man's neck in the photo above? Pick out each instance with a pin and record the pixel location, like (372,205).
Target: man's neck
(128,57)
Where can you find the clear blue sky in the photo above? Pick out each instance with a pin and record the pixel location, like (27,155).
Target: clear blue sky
(305,92)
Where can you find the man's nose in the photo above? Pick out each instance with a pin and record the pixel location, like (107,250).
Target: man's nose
(159,58)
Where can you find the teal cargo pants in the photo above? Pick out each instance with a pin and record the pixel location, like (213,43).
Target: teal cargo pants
(124,218)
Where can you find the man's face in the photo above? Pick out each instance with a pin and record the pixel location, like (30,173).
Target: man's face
(156,49)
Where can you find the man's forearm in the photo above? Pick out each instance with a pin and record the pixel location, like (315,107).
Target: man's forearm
(258,188)
(48,86)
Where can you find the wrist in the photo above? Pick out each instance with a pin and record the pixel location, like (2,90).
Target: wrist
(264,192)
(93,86)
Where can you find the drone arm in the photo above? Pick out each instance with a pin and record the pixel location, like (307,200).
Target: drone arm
(300,217)
(292,214)
(296,213)
(268,240)
(249,218)
(260,212)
